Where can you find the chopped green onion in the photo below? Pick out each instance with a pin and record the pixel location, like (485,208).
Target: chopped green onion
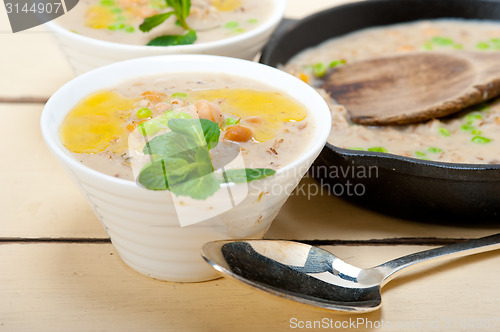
(253,21)
(336,63)
(481,140)
(482,46)
(357,149)
(179,95)
(143,113)
(420,154)
(129,29)
(473,116)
(428,46)
(467,127)
(434,150)
(319,69)
(239,30)
(116,10)
(116,26)
(476,132)
(231,25)
(442,41)
(107,2)
(445,132)
(377,149)
(232,122)
(495,43)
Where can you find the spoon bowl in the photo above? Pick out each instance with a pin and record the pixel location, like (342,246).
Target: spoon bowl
(314,276)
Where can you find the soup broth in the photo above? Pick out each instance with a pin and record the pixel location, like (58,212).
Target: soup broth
(472,136)
(268,127)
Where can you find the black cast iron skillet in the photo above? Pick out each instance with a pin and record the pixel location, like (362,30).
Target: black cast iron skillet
(403,187)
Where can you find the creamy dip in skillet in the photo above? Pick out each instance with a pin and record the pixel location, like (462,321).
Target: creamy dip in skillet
(269,127)
(118,20)
(472,136)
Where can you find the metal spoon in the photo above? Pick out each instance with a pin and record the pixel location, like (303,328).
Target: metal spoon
(414,87)
(315,276)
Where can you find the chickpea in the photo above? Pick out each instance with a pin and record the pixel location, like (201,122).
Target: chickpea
(161,107)
(238,133)
(209,111)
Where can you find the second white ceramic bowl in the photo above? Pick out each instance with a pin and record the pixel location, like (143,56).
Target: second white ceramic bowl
(142,224)
(85,53)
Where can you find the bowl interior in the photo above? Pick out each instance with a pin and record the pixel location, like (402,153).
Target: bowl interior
(105,77)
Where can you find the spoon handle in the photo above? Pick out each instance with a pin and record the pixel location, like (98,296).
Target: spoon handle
(392,269)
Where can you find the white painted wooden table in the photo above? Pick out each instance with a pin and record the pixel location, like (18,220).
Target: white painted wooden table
(58,271)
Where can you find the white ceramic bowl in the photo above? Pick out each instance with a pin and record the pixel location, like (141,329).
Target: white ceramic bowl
(85,53)
(142,224)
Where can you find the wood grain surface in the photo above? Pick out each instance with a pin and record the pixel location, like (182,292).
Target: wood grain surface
(59,272)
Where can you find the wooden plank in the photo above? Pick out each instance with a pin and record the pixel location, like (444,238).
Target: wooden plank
(37,199)
(31,63)
(86,287)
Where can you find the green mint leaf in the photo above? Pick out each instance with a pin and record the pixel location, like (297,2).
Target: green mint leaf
(172,144)
(186,4)
(173,40)
(178,170)
(165,173)
(181,9)
(181,159)
(211,132)
(153,176)
(197,188)
(204,132)
(247,174)
(153,21)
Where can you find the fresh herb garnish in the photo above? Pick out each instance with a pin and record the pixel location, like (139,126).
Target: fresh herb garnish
(434,150)
(247,174)
(180,161)
(171,40)
(232,122)
(181,10)
(154,21)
